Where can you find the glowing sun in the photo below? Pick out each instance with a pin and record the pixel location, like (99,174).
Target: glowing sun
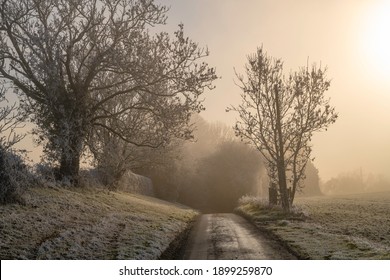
(375,39)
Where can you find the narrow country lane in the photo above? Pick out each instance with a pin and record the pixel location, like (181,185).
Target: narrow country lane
(228,236)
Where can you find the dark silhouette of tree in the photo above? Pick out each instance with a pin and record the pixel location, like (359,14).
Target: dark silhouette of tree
(84,67)
(230,172)
(278,115)
(312,181)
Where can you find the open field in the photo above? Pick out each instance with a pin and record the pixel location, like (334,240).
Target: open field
(338,227)
(59,223)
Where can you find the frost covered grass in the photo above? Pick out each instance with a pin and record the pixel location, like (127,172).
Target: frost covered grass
(60,223)
(255,208)
(331,227)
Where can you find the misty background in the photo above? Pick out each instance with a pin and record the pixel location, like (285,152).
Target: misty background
(350,37)
(352,156)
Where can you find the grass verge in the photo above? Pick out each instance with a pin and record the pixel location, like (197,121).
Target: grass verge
(59,223)
(343,227)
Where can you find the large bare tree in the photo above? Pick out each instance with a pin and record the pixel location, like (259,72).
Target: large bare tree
(278,115)
(86,66)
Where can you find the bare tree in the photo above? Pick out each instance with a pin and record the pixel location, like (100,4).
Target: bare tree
(279,115)
(74,62)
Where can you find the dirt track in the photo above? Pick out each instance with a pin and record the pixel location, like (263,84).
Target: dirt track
(228,236)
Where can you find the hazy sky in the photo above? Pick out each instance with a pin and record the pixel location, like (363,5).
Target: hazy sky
(350,37)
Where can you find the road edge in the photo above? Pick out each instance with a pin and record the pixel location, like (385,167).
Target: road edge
(175,249)
(269,233)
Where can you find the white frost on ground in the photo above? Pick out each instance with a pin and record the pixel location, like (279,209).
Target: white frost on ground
(337,227)
(88,224)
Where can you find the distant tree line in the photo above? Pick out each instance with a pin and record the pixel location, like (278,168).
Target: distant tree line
(212,172)
(355,182)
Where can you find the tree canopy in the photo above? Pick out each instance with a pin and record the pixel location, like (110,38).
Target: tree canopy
(90,68)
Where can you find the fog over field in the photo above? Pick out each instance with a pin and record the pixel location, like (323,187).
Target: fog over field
(350,37)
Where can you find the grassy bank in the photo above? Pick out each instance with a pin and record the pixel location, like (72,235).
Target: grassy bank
(338,227)
(57,223)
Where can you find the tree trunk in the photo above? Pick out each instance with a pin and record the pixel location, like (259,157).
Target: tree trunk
(70,149)
(273,194)
(70,118)
(284,194)
(293,191)
(70,165)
